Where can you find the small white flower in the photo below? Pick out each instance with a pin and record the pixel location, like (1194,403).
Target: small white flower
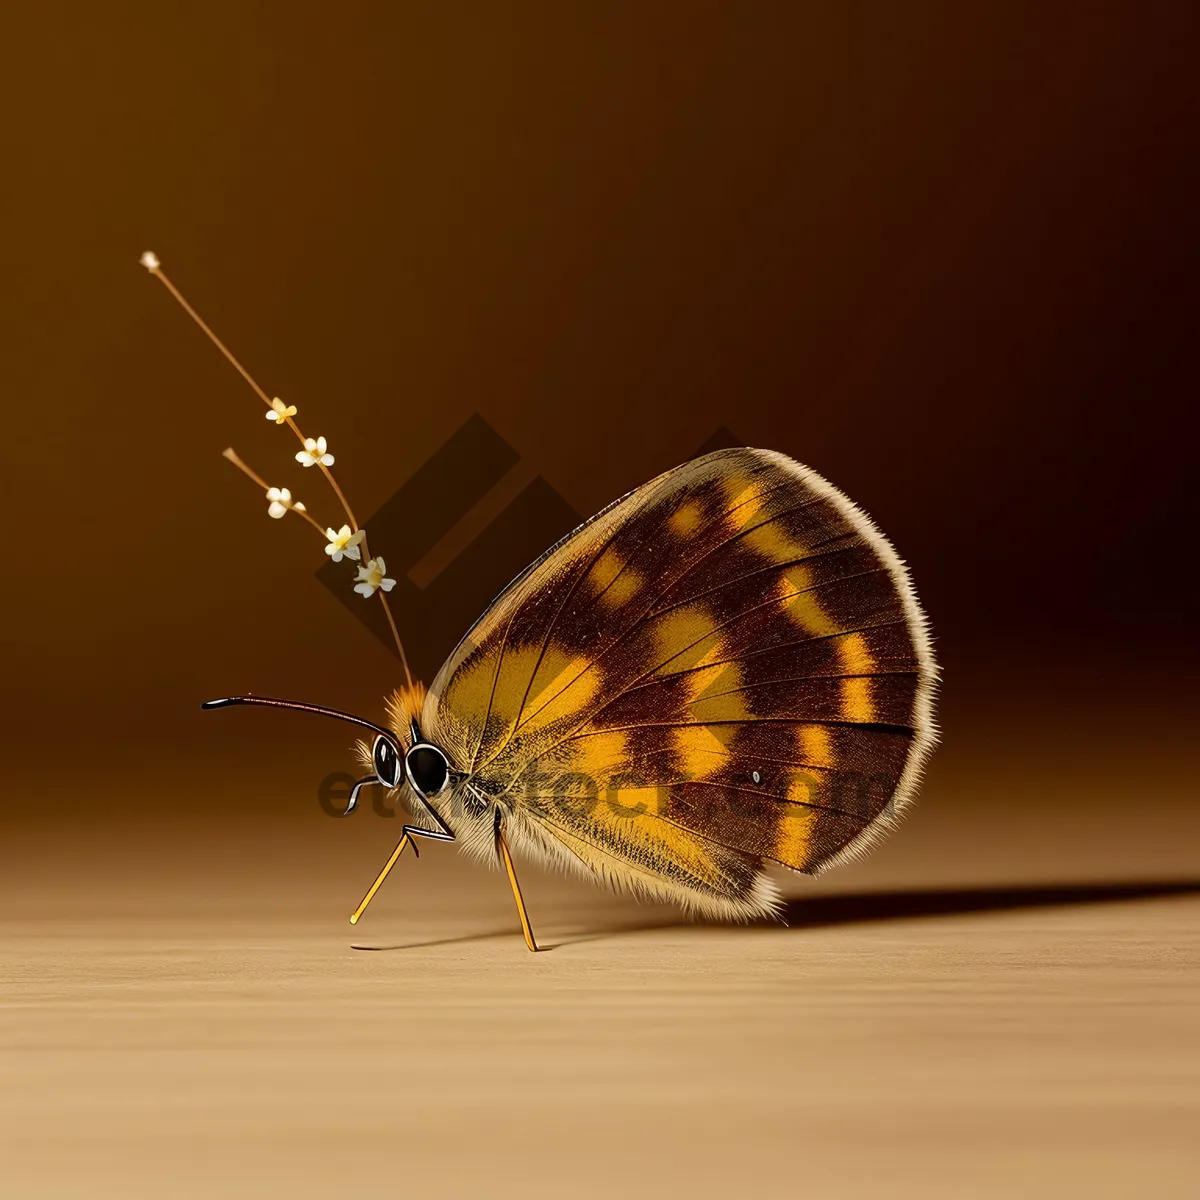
(281,500)
(280,412)
(314,452)
(149,260)
(371,578)
(343,542)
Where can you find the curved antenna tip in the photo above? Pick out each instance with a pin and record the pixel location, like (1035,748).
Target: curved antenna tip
(296,705)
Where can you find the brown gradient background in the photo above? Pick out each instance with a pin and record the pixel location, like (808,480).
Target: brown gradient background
(946,254)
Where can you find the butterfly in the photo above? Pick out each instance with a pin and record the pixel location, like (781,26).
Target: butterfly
(725,669)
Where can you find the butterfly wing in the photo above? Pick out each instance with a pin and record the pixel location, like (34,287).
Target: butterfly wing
(724,668)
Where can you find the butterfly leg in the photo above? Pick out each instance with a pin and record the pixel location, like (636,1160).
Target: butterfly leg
(436,835)
(409,833)
(387,866)
(502,850)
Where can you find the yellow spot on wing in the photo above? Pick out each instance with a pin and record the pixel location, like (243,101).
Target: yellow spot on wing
(684,638)
(793,834)
(686,519)
(745,503)
(600,755)
(793,579)
(805,610)
(773,543)
(518,665)
(796,822)
(856,655)
(699,749)
(561,689)
(613,579)
(816,746)
(715,696)
(857,660)
(606,568)
(627,584)
(857,704)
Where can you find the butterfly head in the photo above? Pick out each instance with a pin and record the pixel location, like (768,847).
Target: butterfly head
(423,766)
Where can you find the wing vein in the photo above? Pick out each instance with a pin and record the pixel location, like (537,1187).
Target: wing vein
(642,620)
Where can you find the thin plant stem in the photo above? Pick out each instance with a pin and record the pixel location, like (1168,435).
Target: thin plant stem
(155,269)
(262,483)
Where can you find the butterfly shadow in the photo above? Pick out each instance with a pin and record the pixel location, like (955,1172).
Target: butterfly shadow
(460,939)
(863,908)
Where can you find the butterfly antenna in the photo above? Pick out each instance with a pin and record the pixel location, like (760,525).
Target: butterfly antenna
(320,710)
(371,576)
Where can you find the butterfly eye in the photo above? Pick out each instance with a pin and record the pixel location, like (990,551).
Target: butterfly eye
(427,769)
(387,762)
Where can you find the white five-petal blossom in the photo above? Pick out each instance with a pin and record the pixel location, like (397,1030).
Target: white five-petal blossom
(314,452)
(280,412)
(280,501)
(372,577)
(343,542)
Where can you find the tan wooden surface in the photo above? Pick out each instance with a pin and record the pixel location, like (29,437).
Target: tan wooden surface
(962,1015)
